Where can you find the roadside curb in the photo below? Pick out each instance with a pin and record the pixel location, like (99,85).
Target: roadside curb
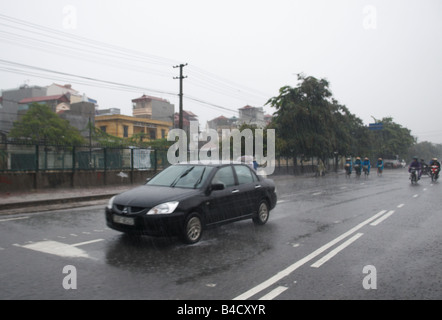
(48,202)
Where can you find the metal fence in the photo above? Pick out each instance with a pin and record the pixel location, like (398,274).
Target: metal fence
(26,157)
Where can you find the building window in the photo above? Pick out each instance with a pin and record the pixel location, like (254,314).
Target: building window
(103,128)
(163,133)
(153,134)
(125,131)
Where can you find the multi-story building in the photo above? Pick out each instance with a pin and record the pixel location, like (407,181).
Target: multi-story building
(221,123)
(78,114)
(10,104)
(154,108)
(74,96)
(65,101)
(126,126)
(252,116)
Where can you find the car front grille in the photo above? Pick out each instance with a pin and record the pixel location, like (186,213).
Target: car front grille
(128,209)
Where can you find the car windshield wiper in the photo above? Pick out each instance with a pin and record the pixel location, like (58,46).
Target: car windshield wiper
(200,178)
(181,176)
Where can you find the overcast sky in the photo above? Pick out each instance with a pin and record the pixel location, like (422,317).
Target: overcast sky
(382,58)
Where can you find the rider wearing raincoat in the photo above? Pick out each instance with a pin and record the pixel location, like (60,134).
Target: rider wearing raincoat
(366,163)
(348,165)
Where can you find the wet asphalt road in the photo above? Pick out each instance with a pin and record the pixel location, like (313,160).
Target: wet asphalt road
(328,238)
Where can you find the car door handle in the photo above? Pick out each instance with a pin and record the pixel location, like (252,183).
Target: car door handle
(258,186)
(235,191)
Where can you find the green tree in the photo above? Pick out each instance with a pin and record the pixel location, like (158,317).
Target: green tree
(310,122)
(41,124)
(393,140)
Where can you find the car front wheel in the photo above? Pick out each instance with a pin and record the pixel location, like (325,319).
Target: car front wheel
(263,213)
(193,229)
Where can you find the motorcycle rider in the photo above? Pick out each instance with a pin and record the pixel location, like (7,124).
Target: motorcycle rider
(380,165)
(366,163)
(417,165)
(348,165)
(358,165)
(435,162)
(425,168)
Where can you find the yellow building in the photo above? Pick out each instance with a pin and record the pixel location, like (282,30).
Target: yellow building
(126,126)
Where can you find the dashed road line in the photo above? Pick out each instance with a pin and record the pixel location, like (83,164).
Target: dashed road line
(382,218)
(290,269)
(274,293)
(335,251)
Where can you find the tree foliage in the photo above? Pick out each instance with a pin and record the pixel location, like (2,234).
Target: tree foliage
(41,124)
(311,123)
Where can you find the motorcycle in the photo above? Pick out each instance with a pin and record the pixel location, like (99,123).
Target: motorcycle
(358,170)
(426,170)
(366,171)
(413,175)
(434,173)
(347,170)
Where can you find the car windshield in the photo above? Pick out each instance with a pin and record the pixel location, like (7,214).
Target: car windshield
(182,176)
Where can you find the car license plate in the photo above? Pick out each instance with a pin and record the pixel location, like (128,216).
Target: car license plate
(124,220)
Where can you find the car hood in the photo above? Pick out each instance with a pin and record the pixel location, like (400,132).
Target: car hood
(149,196)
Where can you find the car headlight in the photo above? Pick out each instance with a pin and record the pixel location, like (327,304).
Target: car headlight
(110,203)
(164,208)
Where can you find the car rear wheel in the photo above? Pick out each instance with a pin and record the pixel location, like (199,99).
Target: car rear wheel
(263,213)
(193,229)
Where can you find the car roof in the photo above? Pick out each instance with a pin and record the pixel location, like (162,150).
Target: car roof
(212,163)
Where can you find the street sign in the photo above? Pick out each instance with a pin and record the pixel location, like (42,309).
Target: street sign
(376,126)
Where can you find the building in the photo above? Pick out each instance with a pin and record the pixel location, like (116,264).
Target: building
(221,123)
(107,112)
(126,126)
(74,95)
(252,116)
(154,108)
(10,104)
(188,116)
(57,103)
(78,114)
(63,100)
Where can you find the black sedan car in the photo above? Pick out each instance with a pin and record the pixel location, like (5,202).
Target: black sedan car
(184,199)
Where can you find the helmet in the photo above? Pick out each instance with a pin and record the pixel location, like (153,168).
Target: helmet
(434,159)
(415,158)
(366,158)
(358,158)
(380,159)
(348,159)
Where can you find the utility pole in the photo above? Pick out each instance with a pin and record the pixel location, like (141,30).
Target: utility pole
(181,66)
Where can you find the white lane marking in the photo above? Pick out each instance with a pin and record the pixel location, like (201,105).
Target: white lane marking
(335,251)
(415,196)
(60,249)
(86,242)
(401,205)
(317,193)
(283,273)
(274,293)
(12,219)
(56,248)
(375,223)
